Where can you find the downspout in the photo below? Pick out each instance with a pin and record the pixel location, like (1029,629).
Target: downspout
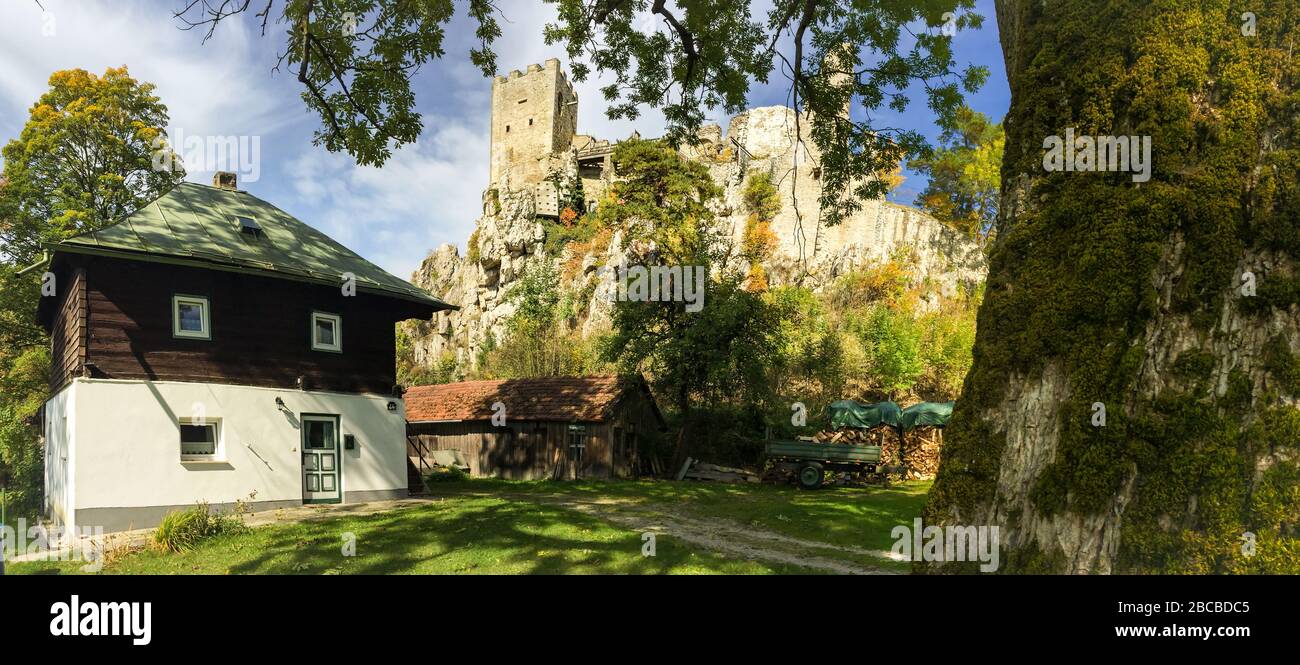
(45,258)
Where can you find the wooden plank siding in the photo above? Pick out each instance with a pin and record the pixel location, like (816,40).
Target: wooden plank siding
(520,451)
(535,449)
(68,337)
(260,328)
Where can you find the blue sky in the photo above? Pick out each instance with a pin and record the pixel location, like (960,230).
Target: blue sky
(429,193)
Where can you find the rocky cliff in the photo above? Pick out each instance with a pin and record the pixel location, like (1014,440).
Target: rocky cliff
(509,235)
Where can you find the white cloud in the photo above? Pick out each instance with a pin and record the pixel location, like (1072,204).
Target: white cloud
(224,87)
(427,193)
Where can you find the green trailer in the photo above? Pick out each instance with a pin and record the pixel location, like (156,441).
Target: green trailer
(809,461)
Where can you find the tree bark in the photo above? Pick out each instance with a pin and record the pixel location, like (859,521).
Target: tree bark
(1130,296)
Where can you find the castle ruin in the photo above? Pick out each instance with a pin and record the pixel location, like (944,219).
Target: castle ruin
(536,151)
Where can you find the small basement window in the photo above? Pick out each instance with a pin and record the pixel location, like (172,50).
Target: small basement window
(200,439)
(326,332)
(190,317)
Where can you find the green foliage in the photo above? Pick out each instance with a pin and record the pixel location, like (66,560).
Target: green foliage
(964,179)
(409,373)
(891,341)
(718,354)
(356,58)
(444,474)
(183,530)
(538,340)
(760,195)
(663,199)
(83,159)
(472,251)
(560,235)
(24,385)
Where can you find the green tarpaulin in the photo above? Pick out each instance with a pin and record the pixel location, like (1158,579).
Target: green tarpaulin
(848,413)
(926,414)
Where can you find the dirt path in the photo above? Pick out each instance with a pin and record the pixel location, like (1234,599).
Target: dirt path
(714,534)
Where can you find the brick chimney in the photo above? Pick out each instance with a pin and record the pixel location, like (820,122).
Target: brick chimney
(225,180)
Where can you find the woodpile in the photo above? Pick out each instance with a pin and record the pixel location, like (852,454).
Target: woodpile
(921,447)
(696,470)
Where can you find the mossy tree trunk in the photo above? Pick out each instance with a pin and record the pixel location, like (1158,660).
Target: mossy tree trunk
(1136,296)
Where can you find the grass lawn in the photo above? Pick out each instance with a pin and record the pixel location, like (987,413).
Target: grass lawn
(509,527)
(454,535)
(860,517)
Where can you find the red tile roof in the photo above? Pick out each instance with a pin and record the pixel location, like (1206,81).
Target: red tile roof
(562,398)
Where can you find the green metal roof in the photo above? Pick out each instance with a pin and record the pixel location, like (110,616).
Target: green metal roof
(199,225)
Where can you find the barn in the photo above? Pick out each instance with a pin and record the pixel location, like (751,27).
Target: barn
(549,427)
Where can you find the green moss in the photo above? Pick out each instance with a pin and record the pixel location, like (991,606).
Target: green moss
(472,251)
(1032,560)
(1282,364)
(1194,365)
(1071,285)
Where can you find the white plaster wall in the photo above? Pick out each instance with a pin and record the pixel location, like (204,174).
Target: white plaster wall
(128,451)
(58,456)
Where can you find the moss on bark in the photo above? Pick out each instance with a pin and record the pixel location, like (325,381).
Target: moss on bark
(1076,279)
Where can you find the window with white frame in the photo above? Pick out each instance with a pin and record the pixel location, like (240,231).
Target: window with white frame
(326,332)
(190,317)
(200,439)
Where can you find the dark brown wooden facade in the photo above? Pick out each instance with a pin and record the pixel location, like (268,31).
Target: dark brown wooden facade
(112,318)
(538,449)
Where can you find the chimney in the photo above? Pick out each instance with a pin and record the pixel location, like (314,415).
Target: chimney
(225,180)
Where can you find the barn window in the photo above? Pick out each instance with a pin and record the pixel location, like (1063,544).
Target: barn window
(326,332)
(199,439)
(579,437)
(190,317)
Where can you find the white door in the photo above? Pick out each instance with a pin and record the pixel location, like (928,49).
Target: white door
(322,480)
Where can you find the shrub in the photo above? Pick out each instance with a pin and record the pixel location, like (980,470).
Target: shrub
(182,530)
(444,474)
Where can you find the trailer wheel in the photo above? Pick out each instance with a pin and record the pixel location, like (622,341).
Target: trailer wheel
(811,476)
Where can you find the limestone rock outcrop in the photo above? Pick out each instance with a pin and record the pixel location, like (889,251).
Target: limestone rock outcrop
(509,236)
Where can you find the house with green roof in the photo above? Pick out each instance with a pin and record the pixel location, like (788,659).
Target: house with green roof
(211,347)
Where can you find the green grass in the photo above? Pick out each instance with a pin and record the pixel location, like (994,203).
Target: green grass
(455,535)
(859,517)
(506,527)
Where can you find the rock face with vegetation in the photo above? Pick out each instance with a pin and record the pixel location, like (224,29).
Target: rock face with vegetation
(757,157)
(1171,304)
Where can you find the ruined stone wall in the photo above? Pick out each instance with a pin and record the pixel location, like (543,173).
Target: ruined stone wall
(534,116)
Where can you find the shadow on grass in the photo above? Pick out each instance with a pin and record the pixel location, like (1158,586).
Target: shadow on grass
(465,536)
(861,517)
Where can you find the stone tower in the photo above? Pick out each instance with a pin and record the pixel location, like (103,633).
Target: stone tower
(534,117)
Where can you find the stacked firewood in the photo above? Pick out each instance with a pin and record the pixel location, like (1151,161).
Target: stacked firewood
(921,446)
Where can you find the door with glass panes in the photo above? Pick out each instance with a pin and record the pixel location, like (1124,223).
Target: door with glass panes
(322,465)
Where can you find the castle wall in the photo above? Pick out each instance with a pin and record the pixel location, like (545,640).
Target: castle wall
(534,116)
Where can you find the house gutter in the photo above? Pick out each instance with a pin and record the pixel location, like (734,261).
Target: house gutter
(45,259)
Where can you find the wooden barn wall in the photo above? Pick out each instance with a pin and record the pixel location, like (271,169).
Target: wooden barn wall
(632,421)
(260,329)
(523,450)
(68,333)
